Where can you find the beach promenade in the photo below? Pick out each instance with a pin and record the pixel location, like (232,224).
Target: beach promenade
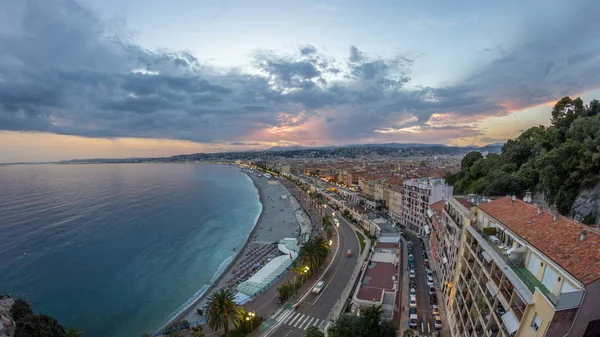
(279,219)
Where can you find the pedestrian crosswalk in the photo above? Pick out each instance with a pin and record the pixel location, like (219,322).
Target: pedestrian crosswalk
(299,320)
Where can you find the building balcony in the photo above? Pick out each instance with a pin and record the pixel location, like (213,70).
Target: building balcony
(515,272)
(564,301)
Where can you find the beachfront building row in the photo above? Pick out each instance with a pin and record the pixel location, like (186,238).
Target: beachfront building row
(378,282)
(510,268)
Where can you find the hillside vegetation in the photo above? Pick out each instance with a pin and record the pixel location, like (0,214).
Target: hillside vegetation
(557,161)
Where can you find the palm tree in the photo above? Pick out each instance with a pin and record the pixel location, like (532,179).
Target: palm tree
(198,331)
(222,309)
(323,247)
(409,333)
(72,332)
(309,253)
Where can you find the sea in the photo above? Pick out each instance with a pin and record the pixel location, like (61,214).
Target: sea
(116,250)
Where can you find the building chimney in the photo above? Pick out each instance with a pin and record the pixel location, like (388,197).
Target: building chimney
(583,235)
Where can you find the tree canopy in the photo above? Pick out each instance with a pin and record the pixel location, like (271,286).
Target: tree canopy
(369,324)
(556,161)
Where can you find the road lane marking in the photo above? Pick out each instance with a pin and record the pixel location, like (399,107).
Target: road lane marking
(284,315)
(308,323)
(300,321)
(295,318)
(288,317)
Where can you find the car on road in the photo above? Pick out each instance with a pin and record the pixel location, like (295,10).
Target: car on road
(438,322)
(349,253)
(318,287)
(413,301)
(412,273)
(412,321)
(337,222)
(435,310)
(413,292)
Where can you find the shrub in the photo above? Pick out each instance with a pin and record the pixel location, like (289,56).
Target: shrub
(20,309)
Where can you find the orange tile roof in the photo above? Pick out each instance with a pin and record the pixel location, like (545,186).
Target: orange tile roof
(437,207)
(560,240)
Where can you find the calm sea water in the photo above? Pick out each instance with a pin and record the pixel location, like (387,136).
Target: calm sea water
(116,249)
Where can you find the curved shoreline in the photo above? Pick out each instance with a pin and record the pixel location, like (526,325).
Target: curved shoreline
(217,279)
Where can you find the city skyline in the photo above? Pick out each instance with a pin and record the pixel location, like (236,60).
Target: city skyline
(81,79)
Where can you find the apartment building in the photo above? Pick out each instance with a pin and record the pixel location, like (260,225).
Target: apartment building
(520,270)
(435,221)
(395,207)
(417,195)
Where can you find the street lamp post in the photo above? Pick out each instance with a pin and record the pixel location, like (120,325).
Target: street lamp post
(250,318)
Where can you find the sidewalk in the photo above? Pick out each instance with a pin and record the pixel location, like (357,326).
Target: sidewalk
(404,290)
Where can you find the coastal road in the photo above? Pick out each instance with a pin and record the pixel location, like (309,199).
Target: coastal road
(316,307)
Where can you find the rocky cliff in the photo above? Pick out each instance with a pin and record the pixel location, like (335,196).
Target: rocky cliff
(7,325)
(587,204)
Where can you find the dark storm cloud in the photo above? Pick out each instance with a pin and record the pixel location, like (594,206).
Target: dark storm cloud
(63,70)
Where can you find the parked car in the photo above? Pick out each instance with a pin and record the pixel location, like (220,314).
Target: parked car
(412,321)
(317,288)
(435,310)
(411,258)
(413,301)
(431,290)
(412,273)
(433,299)
(429,272)
(426,263)
(438,322)
(413,292)
(412,311)
(430,281)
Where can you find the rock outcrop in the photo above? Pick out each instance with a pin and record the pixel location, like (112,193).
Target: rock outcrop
(588,202)
(7,325)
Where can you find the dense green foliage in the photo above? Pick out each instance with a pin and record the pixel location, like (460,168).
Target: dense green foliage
(369,324)
(313,331)
(314,252)
(20,309)
(222,309)
(30,324)
(556,161)
(39,325)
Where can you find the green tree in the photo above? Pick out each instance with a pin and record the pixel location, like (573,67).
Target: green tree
(198,331)
(469,160)
(72,332)
(39,326)
(347,326)
(409,333)
(285,291)
(222,309)
(20,309)
(313,331)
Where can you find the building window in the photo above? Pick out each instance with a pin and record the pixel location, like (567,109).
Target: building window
(537,323)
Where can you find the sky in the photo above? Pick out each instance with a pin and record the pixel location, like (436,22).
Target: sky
(133,78)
